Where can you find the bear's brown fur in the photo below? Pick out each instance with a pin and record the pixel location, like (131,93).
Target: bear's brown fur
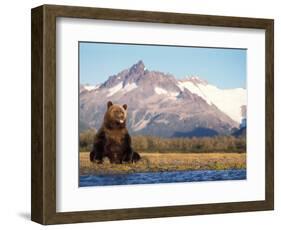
(112,139)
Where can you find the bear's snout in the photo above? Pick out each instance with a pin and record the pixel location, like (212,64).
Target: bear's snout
(120,121)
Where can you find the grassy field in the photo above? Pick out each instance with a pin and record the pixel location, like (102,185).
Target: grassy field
(160,162)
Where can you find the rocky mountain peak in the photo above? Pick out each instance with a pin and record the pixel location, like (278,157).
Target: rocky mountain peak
(133,74)
(137,68)
(139,65)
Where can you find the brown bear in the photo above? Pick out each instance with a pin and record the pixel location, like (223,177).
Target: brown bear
(112,139)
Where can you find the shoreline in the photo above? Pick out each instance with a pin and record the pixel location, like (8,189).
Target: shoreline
(165,162)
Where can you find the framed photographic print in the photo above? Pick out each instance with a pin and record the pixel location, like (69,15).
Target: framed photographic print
(140,114)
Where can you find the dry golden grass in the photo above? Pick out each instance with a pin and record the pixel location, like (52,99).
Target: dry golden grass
(159,162)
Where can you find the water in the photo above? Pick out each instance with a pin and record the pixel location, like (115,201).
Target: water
(161,177)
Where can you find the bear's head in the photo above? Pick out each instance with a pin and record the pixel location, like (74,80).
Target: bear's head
(115,116)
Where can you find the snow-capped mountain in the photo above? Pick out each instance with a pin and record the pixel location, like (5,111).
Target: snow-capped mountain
(229,101)
(159,104)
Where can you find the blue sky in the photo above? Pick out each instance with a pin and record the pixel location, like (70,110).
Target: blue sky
(225,68)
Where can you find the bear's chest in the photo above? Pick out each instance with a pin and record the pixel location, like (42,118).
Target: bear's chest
(114,137)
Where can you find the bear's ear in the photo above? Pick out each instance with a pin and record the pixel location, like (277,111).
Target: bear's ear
(109,104)
(125,106)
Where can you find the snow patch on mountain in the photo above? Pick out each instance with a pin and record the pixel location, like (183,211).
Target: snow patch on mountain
(119,88)
(162,121)
(161,91)
(228,101)
(90,87)
(142,123)
(193,88)
(115,89)
(129,87)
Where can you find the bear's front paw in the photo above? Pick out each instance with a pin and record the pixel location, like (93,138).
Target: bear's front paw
(136,157)
(99,161)
(92,156)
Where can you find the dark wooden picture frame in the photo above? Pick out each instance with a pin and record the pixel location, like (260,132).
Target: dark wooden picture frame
(43,170)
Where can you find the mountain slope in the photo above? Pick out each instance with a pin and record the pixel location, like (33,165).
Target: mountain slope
(229,101)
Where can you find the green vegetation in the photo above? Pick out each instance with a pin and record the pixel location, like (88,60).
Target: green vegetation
(86,139)
(158,162)
(151,144)
(189,145)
